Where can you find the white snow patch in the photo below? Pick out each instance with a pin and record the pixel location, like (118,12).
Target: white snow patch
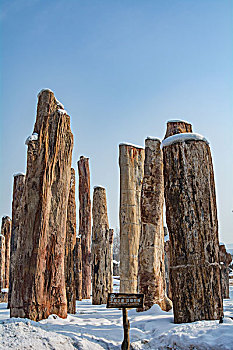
(178,121)
(189,136)
(130,144)
(18,174)
(4,290)
(99,187)
(153,138)
(24,334)
(94,327)
(62,111)
(41,91)
(33,137)
(59,104)
(6,217)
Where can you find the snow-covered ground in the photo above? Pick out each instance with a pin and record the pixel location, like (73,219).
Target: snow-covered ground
(95,328)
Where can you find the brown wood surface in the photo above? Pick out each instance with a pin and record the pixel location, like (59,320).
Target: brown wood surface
(70,247)
(17,205)
(85,224)
(151,268)
(39,289)
(191,216)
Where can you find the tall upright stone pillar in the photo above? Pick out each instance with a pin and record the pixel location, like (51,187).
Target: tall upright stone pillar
(70,247)
(39,289)
(2,262)
(17,205)
(151,268)
(6,232)
(100,247)
(225,260)
(191,215)
(78,268)
(85,224)
(131,161)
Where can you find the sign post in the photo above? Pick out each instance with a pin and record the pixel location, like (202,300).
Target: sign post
(125,301)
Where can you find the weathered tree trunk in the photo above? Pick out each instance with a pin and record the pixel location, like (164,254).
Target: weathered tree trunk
(225,260)
(151,269)
(70,247)
(131,161)
(109,269)
(167,268)
(191,215)
(85,224)
(39,289)
(6,232)
(100,247)
(78,268)
(2,262)
(177,127)
(17,205)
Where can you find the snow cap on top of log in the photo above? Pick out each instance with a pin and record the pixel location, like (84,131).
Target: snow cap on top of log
(130,145)
(44,90)
(189,136)
(83,157)
(6,217)
(59,104)
(33,137)
(18,174)
(99,187)
(177,127)
(153,138)
(152,143)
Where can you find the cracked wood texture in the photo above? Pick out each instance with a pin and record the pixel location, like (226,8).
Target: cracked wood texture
(78,268)
(2,261)
(177,127)
(100,248)
(39,289)
(17,205)
(225,260)
(191,215)
(131,161)
(110,262)
(167,268)
(70,247)
(85,224)
(6,232)
(151,268)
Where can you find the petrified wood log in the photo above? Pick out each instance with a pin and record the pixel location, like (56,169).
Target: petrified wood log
(100,247)
(131,161)
(225,260)
(85,224)
(17,205)
(39,289)
(177,127)
(191,215)
(6,232)
(70,246)
(151,269)
(2,261)
(78,268)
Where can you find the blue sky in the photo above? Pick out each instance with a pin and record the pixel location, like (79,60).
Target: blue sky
(122,69)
